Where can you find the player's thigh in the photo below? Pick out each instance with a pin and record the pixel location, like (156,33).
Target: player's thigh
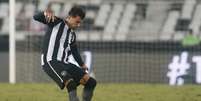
(76,72)
(62,70)
(54,75)
(69,71)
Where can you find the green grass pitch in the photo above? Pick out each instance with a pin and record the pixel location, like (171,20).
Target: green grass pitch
(103,92)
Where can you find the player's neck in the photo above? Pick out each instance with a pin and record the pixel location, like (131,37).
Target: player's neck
(66,22)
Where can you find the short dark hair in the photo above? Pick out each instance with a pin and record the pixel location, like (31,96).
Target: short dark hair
(77,11)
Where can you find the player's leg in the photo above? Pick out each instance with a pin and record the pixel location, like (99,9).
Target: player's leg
(69,82)
(59,73)
(81,77)
(71,86)
(89,86)
(54,74)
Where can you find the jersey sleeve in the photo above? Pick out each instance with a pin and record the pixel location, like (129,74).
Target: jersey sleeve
(74,49)
(40,17)
(76,54)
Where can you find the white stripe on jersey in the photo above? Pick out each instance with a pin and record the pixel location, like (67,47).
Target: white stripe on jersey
(61,45)
(70,38)
(52,42)
(72,60)
(42,62)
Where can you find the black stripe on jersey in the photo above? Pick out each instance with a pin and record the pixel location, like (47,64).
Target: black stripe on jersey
(66,43)
(57,42)
(67,37)
(46,40)
(73,39)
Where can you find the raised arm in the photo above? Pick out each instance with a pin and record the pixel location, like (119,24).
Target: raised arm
(47,17)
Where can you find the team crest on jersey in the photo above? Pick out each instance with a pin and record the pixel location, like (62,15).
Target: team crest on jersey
(63,73)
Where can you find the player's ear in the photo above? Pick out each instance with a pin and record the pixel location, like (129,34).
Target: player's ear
(67,18)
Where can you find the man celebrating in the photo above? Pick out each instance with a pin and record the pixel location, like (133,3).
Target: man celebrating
(60,49)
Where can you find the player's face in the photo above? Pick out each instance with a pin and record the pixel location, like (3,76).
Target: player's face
(74,22)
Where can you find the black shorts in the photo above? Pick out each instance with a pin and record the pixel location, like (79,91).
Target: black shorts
(61,72)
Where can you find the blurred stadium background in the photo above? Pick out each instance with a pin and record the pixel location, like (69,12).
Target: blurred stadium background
(131,41)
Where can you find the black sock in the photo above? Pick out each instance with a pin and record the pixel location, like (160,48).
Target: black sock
(88,89)
(72,91)
(87,94)
(73,95)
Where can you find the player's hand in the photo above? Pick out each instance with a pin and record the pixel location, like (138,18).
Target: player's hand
(85,68)
(49,15)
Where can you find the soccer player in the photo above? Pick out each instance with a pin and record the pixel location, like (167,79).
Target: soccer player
(60,50)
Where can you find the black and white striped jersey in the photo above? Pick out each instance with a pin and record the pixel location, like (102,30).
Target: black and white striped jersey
(59,42)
